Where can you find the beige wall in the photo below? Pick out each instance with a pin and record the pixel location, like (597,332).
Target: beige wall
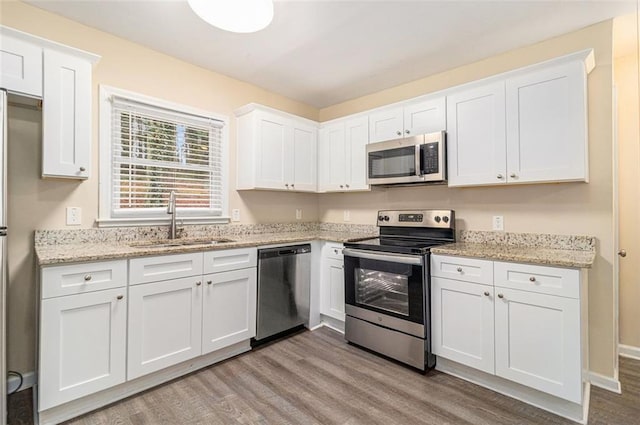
(568,208)
(40,204)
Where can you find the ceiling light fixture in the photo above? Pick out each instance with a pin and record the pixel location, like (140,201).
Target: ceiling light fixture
(241,16)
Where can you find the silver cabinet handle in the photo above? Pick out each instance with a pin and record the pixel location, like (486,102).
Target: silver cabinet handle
(622,253)
(407,131)
(209,282)
(486,293)
(82,169)
(347,186)
(499,176)
(286,184)
(513,175)
(459,269)
(87,277)
(335,251)
(532,279)
(341,186)
(198,283)
(120,297)
(500,296)
(292,185)
(399,133)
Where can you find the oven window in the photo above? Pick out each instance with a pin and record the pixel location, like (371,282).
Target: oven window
(385,291)
(397,162)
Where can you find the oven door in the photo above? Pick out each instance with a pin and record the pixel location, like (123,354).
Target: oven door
(387,289)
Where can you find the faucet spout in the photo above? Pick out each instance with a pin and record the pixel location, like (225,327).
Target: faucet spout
(171,209)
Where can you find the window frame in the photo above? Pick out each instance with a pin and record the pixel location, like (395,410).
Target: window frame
(106,216)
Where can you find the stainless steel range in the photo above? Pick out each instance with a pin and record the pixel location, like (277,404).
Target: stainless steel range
(387,284)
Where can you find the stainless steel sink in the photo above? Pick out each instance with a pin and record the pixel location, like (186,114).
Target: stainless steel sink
(166,243)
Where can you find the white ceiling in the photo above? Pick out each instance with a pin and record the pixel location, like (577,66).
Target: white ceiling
(326,52)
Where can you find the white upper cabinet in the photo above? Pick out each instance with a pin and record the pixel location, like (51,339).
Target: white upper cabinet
(276,151)
(529,126)
(476,136)
(20,66)
(342,157)
(66,116)
(413,118)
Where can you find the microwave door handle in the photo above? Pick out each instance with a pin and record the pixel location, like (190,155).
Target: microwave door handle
(418,157)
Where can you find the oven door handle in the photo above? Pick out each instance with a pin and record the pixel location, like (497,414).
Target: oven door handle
(394,258)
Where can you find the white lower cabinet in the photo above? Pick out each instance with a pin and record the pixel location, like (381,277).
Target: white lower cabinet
(462,322)
(165,324)
(228,308)
(525,332)
(332,278)
(82,345)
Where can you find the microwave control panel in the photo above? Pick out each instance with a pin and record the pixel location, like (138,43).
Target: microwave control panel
(430,158)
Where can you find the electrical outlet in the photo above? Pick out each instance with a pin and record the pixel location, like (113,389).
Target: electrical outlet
(74,216)
(498,222)
(347,215)
(299,214)
(235,215)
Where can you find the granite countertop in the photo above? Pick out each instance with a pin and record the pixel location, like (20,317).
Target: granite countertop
(85,251)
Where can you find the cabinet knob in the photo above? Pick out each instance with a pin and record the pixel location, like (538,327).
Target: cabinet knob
(198,283)
(341,186)
(292,185)
(459,269)
(286,184)
(486,293)
(399,133)
(513,175)
(209,282)
(120,297)
(499,176)
(347,186)
(87,277)
(500,296)
(622,253)
(335,251)
(82,169)
(407,131)
(532,279)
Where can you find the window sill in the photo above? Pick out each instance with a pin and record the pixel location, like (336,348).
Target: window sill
(132,221)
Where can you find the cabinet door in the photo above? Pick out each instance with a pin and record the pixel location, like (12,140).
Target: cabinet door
(462,322)
(274,152)
(357,137)
(333,288)
(20,66)
(332,158)
(547,125)
(66,116)
(228,308)
(427,116)
(305,177)
(165,324)
(82,345)
(476,143)
(538,342)
(386,124)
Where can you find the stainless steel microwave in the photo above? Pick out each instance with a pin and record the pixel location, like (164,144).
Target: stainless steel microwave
(417,159)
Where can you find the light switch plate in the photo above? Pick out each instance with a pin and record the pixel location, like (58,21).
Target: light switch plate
(235,215)
(498,222)
(74,216)
(299,214)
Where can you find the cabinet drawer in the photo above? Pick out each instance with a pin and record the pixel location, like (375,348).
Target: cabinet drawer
(80,278)
(152,269)
(233,259)
(333,250)
(465,269)
(542,279)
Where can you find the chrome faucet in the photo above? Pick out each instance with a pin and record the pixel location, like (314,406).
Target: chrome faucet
(171,209)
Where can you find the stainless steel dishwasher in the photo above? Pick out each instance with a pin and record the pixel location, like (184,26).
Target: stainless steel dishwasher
(284,276)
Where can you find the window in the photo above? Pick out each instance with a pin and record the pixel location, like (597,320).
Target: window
(149,148)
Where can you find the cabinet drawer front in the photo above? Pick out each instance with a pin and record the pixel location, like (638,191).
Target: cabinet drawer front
(233,259)
(465,269)
(333,251)
(80,278)
(153,269)
(542,279)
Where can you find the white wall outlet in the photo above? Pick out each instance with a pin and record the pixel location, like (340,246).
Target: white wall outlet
(347,215)
(235,215)
(74,216)
(498,222)
(299,214)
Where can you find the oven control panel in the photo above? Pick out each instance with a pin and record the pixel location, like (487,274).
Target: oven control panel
(421,218)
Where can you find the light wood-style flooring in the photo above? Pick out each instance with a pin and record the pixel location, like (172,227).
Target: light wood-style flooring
(317,378)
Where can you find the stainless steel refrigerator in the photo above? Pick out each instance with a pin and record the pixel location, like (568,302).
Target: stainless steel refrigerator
(3,255)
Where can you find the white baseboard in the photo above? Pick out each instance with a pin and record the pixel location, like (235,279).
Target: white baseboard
(28,380)
(331,323)
(629,351)
(605,382)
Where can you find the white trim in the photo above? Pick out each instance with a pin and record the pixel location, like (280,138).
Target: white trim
(605,382)
(29,380)
(616,234)
(629,351)
(104,183)
(332,323)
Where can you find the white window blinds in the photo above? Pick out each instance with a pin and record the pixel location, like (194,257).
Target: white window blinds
(155,151)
